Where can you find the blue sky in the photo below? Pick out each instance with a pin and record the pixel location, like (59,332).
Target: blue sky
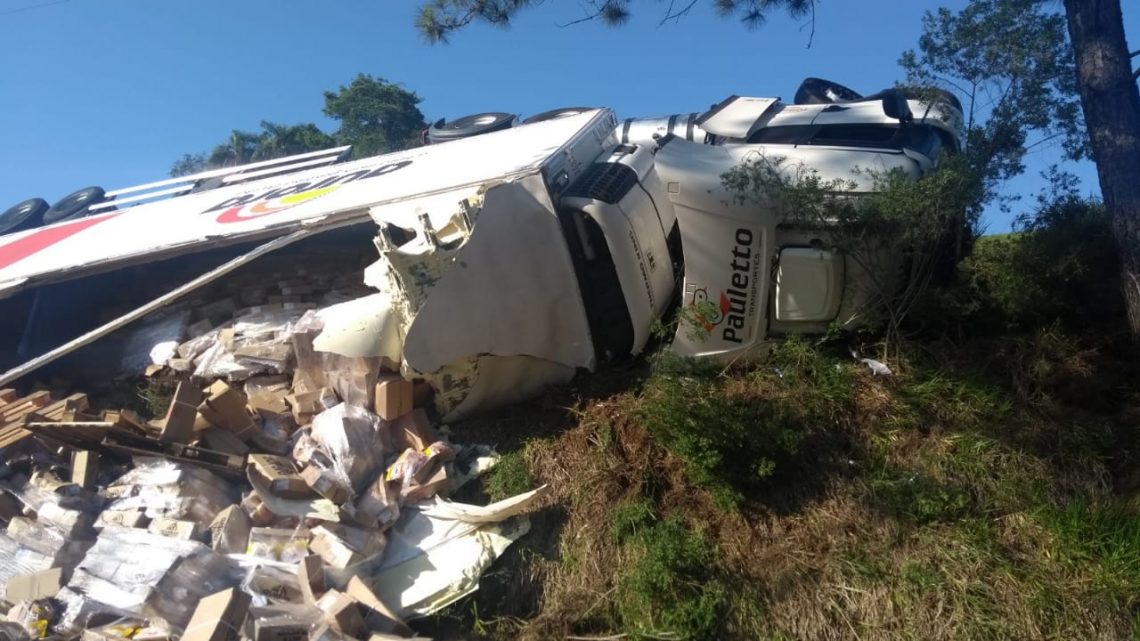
(111,92)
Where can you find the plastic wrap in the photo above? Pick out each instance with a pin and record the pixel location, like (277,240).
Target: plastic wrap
(134,572)
(282,622)
(287,546)
(166,489)
(257,343)
(354,379)
(67,513)
(271,584)
(16,559)
(352,439)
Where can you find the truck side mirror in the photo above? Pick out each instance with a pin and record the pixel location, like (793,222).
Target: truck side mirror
(896,106)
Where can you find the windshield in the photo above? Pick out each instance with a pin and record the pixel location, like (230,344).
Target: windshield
(922,139)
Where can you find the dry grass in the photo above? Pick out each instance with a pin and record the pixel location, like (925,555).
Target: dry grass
(943,504)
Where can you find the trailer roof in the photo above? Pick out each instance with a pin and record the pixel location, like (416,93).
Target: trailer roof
(328,196)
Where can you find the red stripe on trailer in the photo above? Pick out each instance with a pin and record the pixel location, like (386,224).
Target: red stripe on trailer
(25,246)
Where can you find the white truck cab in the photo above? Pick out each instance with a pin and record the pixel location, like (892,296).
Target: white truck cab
(766,277)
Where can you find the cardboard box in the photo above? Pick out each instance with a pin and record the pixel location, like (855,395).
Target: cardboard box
(229,531)
(275,583)
(280,628)
(122,518)
(393,397)
(218,617)
(311,574)
(178,425)
(280,476)
(306,405)
(37,585)
(84,469)
(429,488)
(220,440)
(343,614)
(332,549)
(176,529)
(269,401)
(225,408)
(413,430)
(325,483)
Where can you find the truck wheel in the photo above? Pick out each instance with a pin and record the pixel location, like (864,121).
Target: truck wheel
(555,114)
(26,215)
(74,205)
(473,125)
(817,91)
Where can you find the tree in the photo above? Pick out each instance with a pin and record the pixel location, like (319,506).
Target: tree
(1010,62)
(1111,104)
(237,150)
(277,140)
(439,19)
(188,164)
(375,116)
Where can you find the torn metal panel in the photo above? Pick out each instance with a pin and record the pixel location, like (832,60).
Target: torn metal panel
(509,289)
(437,551)
(486,382)
(361,328)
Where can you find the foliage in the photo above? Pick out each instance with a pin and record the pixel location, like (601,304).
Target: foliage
(189,164)
(1060,266)
(242,147)
(376,116)
(1011,62)
(668,590)
(730,444)
(437,20)
(896,230)
(509,477)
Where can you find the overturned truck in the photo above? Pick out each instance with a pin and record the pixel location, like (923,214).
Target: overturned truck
(490,265)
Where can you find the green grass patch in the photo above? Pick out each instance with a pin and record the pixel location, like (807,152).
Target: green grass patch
(669,588)
(736,434)
(1100,540)
(509,477)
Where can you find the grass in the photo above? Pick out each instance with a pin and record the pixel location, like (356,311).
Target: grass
(805,499)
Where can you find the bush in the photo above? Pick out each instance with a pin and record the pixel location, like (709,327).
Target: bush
(1061,266)
(669,589)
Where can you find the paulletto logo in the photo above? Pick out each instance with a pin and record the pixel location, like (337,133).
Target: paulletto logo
(265,202)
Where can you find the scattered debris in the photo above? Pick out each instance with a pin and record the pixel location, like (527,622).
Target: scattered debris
(285,494)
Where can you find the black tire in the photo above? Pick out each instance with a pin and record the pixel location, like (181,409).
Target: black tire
(74,205)
(817,91)
(555,114)
(468,126)
(26,215)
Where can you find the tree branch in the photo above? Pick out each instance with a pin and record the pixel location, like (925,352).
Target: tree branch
(675,17)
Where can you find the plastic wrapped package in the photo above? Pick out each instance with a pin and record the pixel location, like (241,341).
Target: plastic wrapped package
(67,513)
(257,343)
(196,346)
(273,584)
(166,489)
(279,544)
(353,441)
(353,378)
(16,560)
(192,577)
(35,617)
(66,551)
(134,572)
(291,622)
